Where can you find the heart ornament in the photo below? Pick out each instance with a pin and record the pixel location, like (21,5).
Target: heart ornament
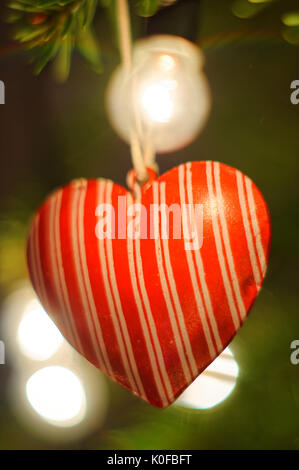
(151,284)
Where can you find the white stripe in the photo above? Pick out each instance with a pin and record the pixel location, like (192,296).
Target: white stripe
(151,321)
(149,346)
(198,299)
(166,294)
(54,248)
(175,295)
(101,248)
(227,246)
(87,284)
(43,291)
(33,261)
(53,254)
(216,230)
(256,228)
(146,302)
(75,246)
(122,321)
(252,256)
(64,291)
(201,272)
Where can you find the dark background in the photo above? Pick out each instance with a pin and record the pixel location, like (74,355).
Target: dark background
(51,133)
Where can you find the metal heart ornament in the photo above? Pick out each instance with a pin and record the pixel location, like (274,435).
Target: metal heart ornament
(148,301)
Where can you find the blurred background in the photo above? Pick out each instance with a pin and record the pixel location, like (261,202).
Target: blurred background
(52,133)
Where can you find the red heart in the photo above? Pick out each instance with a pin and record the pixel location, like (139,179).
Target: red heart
(148,312)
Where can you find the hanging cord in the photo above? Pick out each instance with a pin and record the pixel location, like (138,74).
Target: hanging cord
(141,158)
(124,33)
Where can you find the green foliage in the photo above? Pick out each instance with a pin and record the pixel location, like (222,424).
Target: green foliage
(245,9)
(53,29)
(147,7)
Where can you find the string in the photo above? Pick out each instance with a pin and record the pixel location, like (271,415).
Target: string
(141,158)
(124,33)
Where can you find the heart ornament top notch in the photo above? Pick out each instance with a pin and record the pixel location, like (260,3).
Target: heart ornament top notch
(147,301)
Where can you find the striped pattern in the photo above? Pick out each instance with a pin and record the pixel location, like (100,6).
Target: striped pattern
(147,312)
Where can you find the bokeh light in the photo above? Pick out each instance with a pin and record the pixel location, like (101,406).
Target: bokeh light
(57,395)
(291,18)
(38,336)
(214,385)
(260,1)
(244,9)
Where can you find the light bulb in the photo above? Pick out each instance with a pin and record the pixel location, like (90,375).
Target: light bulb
(164,98)
(158,102)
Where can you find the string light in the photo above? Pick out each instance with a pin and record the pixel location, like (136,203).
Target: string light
(164,96)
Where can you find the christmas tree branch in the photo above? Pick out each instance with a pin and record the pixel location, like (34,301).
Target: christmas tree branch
(52,29)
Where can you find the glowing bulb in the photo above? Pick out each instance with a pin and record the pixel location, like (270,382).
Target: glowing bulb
(214,385)
(38,336)
(157,100)
(166,62)
(165,95)
(57,395)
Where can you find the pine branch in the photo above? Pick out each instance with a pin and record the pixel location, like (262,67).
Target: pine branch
(53,29)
